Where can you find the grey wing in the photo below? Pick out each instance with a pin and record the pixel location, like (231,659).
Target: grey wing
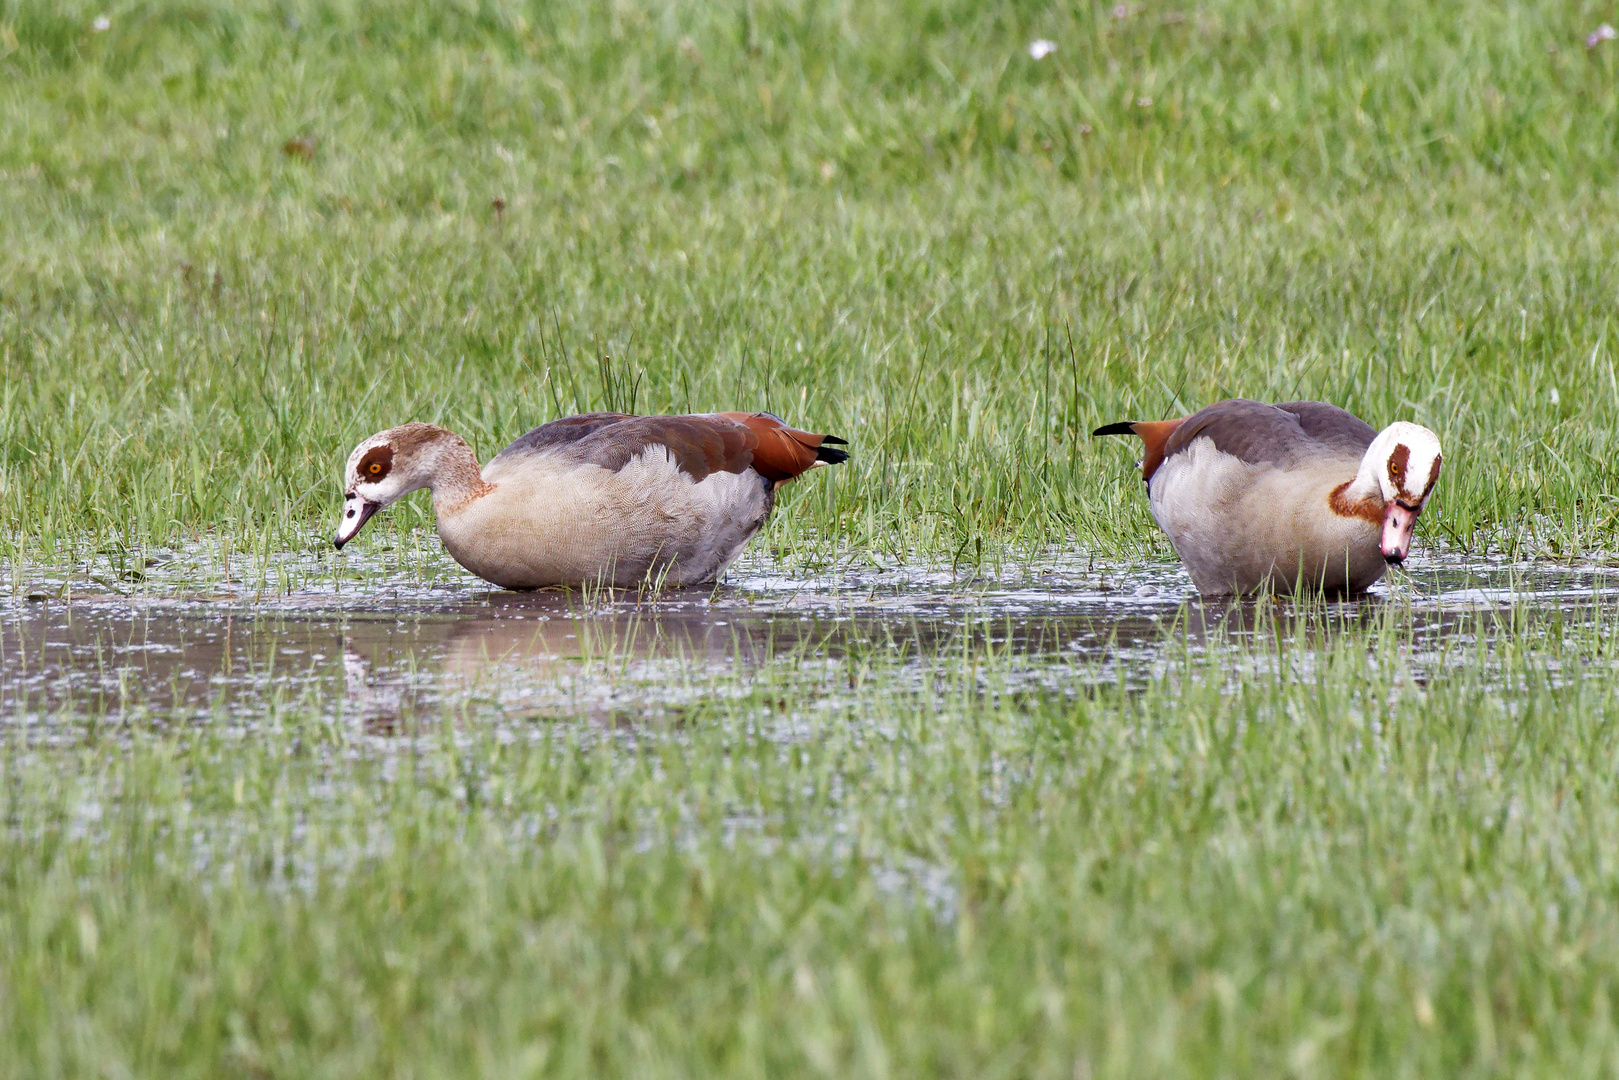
(1250,431)
(559,433)
(1281,435)
(1334,427)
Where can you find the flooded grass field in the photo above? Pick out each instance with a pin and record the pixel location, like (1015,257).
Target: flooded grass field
(890,801)
(1054,817)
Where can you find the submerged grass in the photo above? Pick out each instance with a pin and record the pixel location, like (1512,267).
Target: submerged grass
(1260,865)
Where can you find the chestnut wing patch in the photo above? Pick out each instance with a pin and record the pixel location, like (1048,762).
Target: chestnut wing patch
(1154,435)
(699,445)
(783,452)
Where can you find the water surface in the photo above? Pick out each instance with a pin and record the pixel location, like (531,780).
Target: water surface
(383,639)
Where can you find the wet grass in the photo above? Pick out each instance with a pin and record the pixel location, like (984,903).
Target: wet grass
(1314,864)
(236,238)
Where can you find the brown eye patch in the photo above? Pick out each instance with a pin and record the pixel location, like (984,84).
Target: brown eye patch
(1397,464)
(376,463)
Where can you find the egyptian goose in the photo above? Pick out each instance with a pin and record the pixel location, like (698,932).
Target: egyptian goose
(1300,495)
(602,498)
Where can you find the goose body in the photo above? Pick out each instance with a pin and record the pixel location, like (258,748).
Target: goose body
(1297,496)
(603,498)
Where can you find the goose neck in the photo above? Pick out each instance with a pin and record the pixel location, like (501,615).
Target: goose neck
(1366,485)
(454,476)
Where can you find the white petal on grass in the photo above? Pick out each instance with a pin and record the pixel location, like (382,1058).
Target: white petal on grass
(1040,48)
(1599,35)
(100,23)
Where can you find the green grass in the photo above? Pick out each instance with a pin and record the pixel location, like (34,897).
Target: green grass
(885,221)
(1406,212)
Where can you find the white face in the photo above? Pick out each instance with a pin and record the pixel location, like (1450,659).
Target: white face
(1411,467)
(1408,461)
(372,480)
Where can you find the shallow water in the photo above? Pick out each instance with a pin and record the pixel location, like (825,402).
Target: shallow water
(394,635)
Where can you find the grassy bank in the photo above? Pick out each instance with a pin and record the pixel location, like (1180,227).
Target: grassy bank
(237,239)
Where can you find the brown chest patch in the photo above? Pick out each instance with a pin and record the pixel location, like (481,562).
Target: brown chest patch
(1368,508)
(471,495)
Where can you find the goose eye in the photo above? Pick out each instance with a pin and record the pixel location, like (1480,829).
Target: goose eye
(1396,465)
(375,464)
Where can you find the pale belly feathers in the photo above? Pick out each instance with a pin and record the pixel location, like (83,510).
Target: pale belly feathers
(548,521)
(1238,527)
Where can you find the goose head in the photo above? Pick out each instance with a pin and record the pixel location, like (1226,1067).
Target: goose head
(388,466)
(1403,462)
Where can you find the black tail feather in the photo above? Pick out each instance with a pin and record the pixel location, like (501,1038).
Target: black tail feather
(834,440)
(831,455)
(1123,427)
